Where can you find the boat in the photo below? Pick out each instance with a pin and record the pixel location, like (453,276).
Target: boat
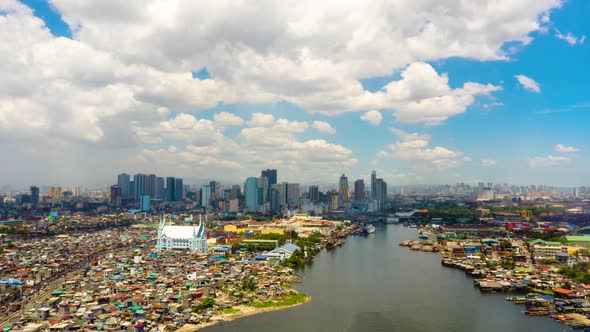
(406,224)
(370,229)
(422,236)
(413,226)
(537,312)
(392,220)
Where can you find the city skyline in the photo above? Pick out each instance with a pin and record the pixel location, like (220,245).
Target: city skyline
(398,88)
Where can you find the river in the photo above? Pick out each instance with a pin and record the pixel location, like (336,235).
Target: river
(372,284)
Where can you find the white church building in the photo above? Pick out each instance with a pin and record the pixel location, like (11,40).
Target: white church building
(191,237)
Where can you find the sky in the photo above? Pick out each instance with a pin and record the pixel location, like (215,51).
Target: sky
(423,92)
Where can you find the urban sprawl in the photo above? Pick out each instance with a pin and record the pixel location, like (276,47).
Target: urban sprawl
(153,254)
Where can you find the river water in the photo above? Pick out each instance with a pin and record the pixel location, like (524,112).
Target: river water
(372,284)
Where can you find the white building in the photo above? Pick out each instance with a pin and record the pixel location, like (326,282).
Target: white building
(191,237)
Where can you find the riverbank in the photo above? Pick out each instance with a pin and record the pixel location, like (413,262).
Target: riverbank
(293,300)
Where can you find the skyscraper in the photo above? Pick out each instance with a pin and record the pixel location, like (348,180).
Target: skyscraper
(160,188)
(381,193)
(144,203)
(123,183)
(252,192)
(271,175)
(343,189)
(314,194)
(151,185)
(293,195)
(359,190)
(116,195)
(140,181)
(178,190)
(34,195)
(206,196)
(373,185)
(170,188)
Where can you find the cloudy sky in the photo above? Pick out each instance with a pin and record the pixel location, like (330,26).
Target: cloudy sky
(422,91)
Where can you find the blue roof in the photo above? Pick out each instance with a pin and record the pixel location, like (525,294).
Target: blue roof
(290,247)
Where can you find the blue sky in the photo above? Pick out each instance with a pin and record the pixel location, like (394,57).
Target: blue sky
(514,129)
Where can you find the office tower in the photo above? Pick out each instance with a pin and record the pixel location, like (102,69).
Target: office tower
(235,191)
(178,190)
(123,181)
(34,195)
(170,184)
(314,194)
(271,175)
(343,189)
(140,181)
(151,185)
(275,204)
(214,187)
(264,187)
(359,190)
(116,195)
(206,196)
(160,188)
(293,195)
(252,192)
(144,203)
(381,193)
(373,185)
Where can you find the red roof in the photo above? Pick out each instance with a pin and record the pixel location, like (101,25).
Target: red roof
(563,291)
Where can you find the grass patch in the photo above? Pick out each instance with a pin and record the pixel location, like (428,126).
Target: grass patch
(230,311)
(543,291)
(287,285)
(152,225)
(291,299)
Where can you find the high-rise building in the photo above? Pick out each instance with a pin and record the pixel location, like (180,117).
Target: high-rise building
(140,181)
(271,175)
(373,185)
(359,190)
(235,191)
(206,196)
(178,190)
(274,201)
(314,194)
(34,195)
(144,203)
(151,185)
(264,189)
(123,181)
(170,188)
(343,189)
(215,188)
(116,195)
(160,188)
(55,192)
(381,193)
(293,195)
(252,191)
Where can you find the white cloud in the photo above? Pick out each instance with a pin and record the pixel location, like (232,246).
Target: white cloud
(569,38)
(228,119)
(565,149)
(414,148)
(548,161)
(373,117)
(112,87)
(324,127)
(261,119)
(528,83)
(488,162)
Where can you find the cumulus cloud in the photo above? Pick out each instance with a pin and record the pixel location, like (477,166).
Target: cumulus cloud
(113,86)
(548,161)
(528,83)
(488,162)
(372,117)
(228,119)
(414,148)
(565,149)
(324,127)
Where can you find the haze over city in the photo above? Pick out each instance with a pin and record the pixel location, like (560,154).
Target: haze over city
(421,93)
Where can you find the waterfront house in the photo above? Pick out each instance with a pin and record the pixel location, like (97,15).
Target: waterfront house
(285,251)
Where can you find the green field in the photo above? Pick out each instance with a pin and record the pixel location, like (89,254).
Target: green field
(291,299)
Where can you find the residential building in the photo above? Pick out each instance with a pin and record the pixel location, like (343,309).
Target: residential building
(34,195)
(359,190)
(314,194)
(123,181)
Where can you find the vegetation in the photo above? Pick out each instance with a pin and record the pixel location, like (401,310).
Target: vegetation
(292,298)
(249,284)
(231,311)
(578,272)
(452,214)
(207,303)
(508,263)
(296,260)
(549,261)
(535,210)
